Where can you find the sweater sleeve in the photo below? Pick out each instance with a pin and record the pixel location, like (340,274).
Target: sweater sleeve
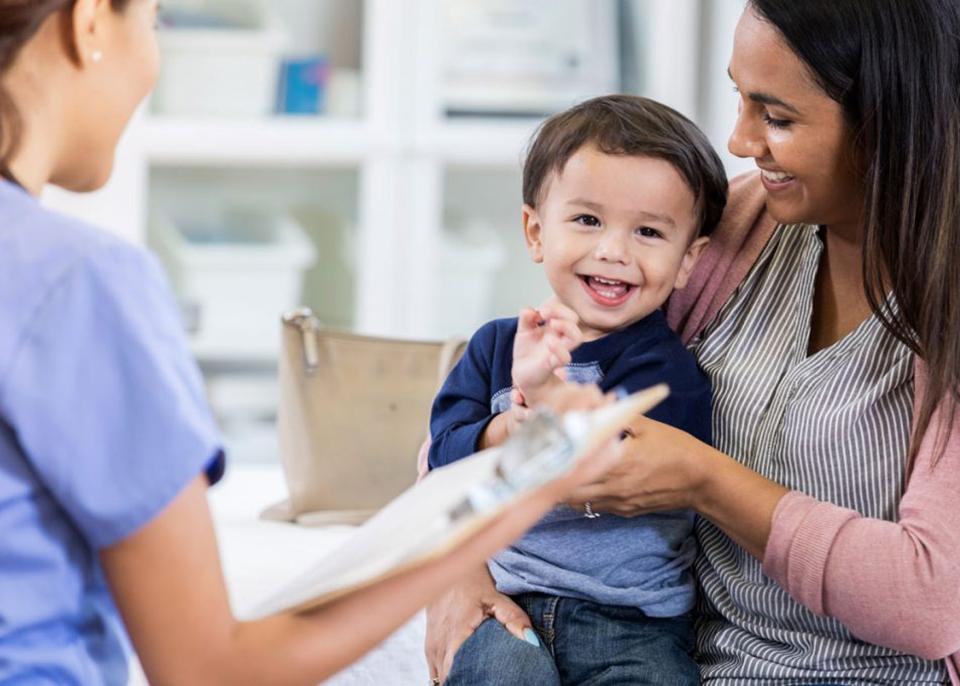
(893,584)
(461,411)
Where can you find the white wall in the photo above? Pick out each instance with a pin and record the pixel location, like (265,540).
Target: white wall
(718,101)
(670,74)
(693,81)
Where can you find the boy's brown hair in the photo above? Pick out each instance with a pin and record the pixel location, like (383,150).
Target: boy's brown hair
(635,126)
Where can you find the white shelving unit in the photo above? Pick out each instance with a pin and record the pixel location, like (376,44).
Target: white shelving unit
(382,191)
(284,142)
(402,148)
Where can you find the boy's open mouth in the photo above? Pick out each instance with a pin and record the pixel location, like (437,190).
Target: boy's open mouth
(607,292)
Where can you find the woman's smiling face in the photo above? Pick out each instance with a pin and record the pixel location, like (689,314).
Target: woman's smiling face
(794,131)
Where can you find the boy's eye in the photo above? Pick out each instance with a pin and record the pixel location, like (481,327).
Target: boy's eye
(776,123)
(587,220)
(648,232)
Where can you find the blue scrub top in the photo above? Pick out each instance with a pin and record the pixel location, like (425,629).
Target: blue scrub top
(103,421)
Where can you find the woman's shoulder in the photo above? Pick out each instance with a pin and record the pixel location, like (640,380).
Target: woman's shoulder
(734,246)
(42,247)
(43,253)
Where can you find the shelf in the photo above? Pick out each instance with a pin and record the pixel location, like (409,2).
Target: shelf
(278,141)
(377,191)
(223,360)
(495,142)
(294,141)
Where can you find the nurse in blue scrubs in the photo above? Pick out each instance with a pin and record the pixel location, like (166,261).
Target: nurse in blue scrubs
(107,445)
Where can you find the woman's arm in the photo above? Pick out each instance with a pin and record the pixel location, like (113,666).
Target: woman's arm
(894,584)
(461,418)
(167,582)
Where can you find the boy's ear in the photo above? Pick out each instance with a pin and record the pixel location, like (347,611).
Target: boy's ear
(533,233)
(689,261)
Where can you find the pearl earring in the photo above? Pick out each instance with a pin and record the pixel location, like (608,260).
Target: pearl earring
(96,56)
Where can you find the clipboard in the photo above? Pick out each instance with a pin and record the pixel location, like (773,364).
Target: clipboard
(453,502)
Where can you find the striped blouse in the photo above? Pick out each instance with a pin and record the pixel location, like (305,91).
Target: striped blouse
(834,425)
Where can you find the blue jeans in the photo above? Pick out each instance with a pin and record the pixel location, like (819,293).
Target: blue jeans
(581,643)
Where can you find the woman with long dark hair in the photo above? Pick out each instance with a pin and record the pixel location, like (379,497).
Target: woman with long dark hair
(826,312)
(106,442)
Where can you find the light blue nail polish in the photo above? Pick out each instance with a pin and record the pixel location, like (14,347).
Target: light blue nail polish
(530,636)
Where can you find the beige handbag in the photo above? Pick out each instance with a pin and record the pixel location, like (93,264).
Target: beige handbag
(353,413)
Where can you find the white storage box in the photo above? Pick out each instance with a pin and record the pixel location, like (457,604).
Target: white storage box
(467,270)
(222,72)
(235,278)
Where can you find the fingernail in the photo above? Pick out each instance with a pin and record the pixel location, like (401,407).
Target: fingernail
(530,636)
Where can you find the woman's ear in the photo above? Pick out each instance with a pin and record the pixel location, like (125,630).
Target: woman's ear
(689,261)
(533,233)
(85,32)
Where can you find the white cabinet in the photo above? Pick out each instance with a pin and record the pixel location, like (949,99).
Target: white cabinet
(414,214)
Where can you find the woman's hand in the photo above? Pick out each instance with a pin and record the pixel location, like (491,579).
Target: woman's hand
(663,468)
(454,617)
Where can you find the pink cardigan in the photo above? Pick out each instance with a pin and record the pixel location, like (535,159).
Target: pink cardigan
(893,584)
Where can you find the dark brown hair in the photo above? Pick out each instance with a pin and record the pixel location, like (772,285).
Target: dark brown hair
(19,21)
(894,67)
(635,126)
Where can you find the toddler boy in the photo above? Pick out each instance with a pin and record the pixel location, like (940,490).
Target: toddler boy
(620,195)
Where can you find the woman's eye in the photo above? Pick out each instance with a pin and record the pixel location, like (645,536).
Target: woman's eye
(648,232)
(776,123)
(587,220)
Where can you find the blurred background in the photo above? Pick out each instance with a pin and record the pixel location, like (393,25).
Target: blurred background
(362,157)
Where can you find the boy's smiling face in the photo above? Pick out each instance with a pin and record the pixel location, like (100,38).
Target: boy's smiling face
(616,234)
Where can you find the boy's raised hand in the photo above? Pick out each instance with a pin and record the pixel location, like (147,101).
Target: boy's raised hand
(545,339)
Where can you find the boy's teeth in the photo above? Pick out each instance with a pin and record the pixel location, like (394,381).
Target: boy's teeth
(776,177)
(608,288)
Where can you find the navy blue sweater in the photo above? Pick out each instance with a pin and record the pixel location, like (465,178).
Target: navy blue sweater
(642,355)
(638,562)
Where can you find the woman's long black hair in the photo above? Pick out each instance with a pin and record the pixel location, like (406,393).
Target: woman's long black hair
(894,67)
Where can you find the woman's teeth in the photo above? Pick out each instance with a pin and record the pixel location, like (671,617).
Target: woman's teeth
(776,177)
